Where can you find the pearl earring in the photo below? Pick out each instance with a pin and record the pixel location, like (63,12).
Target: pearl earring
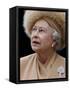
(52,45)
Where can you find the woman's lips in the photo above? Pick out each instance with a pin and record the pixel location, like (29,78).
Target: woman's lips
(35,42)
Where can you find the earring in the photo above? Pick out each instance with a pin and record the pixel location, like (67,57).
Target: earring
(52,45)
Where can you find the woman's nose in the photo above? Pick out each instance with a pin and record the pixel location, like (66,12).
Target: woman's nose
(36,33)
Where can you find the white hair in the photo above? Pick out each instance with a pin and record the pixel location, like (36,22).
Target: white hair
(57,38)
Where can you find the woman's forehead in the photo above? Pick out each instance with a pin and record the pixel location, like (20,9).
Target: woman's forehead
(41,23)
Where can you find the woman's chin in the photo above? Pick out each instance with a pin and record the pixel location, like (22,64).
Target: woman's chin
(35,49)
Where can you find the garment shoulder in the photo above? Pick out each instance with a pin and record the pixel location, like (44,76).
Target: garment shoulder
(25,63)
(59,67)
(26,58)
(60,60)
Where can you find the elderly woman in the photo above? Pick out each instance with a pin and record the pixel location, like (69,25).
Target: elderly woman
(46,31)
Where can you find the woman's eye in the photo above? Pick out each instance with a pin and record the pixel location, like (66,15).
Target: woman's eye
(33,29)
(41,30)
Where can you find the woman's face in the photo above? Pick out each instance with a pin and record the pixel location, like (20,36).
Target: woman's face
(41,36)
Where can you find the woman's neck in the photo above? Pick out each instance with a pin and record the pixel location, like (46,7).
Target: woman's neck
(44,56)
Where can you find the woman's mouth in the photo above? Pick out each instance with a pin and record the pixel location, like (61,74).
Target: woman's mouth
(35,45)
(35,42)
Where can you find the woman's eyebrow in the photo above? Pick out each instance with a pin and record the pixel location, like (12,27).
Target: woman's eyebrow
(43,28)
(40,27)
(34,26)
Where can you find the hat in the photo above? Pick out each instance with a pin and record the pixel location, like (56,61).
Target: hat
(31,16)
